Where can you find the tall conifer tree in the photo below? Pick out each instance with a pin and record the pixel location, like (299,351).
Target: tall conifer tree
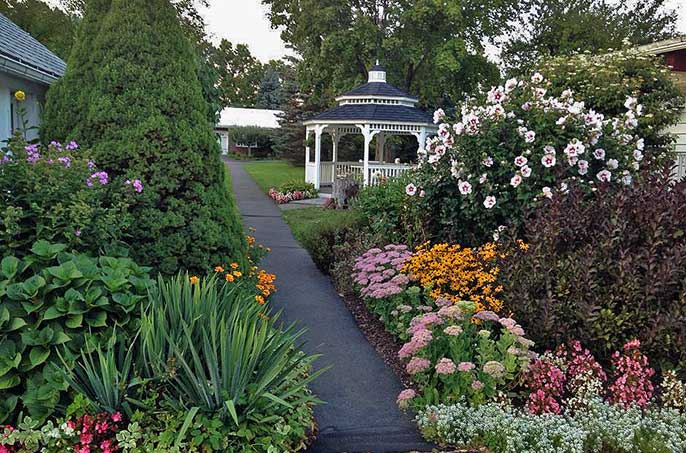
(144,117)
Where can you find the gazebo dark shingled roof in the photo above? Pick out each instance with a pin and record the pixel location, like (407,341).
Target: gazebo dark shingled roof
(375,112)
(20,47)
(378,89)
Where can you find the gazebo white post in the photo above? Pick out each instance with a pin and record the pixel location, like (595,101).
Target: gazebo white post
(318,130)
(368,137)
(335,138)
(422,138)
(307,152)
(380,144)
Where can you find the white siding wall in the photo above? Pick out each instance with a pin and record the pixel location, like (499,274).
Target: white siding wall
(680,132)
(35,95)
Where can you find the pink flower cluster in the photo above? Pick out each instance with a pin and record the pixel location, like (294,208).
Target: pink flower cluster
(137,185)
(284,198)
(547,383)
(89,434)
(378,274)
(563,379)
(631,377)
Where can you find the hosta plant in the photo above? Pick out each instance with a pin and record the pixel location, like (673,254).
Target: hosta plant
(53,305)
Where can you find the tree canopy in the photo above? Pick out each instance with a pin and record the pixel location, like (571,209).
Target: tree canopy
(431,48)
(142,114)
(565,27)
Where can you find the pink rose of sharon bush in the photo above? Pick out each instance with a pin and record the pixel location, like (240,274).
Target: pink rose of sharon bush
(517,145)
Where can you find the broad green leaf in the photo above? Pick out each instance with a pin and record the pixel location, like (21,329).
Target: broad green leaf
(52,313)
(65,272)
(46,250)
(9,266)
(97,319)
(9,381)
(74,321)
(38,355)
(33,284)
(15,323)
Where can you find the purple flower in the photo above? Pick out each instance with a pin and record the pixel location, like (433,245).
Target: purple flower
(100,175)
(56,144)
(487,316)
(91,164)
(78,232)
(72,145)
(65,160)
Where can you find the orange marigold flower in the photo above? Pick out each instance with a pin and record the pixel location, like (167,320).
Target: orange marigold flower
(194,280)
(237,273)
(234,265)
(219,269)
(229,278)
(260,300)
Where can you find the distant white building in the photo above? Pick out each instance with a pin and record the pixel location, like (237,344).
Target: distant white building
(25,65)
(238,117)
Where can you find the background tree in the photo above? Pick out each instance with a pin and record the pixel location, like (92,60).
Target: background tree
(146,118)
(271,93)
(239,73)
(431,48)
(565,27)
(51,26)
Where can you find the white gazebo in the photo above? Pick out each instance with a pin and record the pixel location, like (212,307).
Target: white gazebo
(375,110)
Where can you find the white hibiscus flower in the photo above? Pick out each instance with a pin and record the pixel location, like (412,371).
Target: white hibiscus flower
(489,202)
(516,181)
(604,176)
(410,189)
(465,187)
(548,160)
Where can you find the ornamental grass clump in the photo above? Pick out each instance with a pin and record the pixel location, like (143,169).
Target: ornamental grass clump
(458,273)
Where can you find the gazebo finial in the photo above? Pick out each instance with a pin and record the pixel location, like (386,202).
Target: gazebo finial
(377,73)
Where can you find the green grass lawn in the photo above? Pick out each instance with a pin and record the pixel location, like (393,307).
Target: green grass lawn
(306,222)
(268,174)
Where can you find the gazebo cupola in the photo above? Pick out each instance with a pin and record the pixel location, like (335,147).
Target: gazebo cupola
(375,110)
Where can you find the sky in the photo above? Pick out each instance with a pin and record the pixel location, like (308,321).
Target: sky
(245,21)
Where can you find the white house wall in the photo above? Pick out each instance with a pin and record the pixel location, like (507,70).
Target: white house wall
(35,96)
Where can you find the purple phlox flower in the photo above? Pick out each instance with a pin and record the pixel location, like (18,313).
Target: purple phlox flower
(91,164)
(65,160)
(101,176)
(78,232)
(56,144)
(72,145)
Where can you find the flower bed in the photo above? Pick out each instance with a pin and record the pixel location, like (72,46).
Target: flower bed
(293,191)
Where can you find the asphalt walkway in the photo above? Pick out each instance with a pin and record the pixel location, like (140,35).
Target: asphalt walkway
(361,414)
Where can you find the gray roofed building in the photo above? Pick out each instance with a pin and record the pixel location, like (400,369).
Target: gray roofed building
(26,66)
(23,55)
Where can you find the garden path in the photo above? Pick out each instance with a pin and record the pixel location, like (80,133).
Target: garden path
(360,390)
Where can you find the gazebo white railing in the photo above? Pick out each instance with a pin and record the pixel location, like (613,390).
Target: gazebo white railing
(375,110)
